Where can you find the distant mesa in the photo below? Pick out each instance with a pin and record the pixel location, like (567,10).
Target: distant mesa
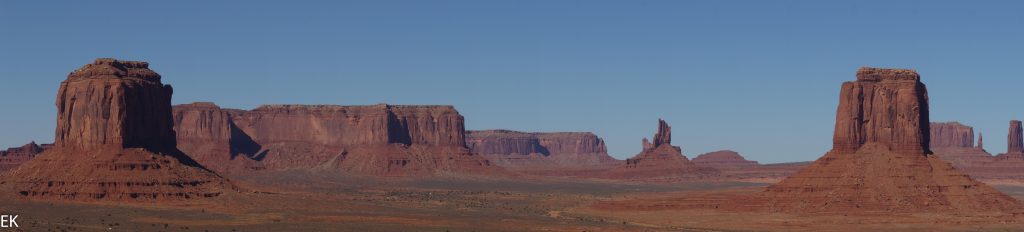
(114,141)
(374,140)
(516,150)
(725,159)
(12,157)
(880,161)
(954,142)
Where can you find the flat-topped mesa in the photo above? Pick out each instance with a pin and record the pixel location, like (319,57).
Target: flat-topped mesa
(377,139)
(724,159)
(540,150)
(884,106)
(109,68)
(1015,139)
(883,74)
(114,103)
(437,125)
(951,134)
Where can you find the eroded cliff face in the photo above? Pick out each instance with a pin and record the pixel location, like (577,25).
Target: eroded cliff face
(114,141)
(880,160)
(12,157)
(951,134)
(1014,140)
(884,106)
(114,103)
(373,140)
(531,151)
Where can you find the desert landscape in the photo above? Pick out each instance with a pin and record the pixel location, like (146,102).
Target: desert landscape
(129,160)
(471,116)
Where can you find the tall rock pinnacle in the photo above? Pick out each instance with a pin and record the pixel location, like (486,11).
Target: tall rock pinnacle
(1015,140)
(664,135)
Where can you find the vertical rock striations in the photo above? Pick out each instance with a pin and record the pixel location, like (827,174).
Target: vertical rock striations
(951,134)
(954,142)
(888,107)
(372,140)
(880,161)
(1015,139)
(540,151)
(114,141)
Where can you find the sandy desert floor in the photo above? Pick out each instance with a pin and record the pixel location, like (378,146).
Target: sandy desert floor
(301,201)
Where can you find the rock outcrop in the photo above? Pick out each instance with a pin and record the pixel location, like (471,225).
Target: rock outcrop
(661,162)
(114,141)
(544,151)
(1014,141)
(874,109)
(12,157)
(725,159)
(380,140)
(951,134)
(880,160)
(954,142)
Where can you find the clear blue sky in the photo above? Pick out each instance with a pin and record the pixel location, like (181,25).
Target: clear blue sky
(758,77)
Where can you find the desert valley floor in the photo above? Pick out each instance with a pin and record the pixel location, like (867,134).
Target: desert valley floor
(305,201)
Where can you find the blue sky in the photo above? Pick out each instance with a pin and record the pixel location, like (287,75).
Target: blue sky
(758,77)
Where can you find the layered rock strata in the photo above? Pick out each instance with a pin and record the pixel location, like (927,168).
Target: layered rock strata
(954,142)
(880,161)
(380,140)
(114,141)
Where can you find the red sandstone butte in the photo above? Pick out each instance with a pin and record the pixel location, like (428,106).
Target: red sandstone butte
(114,141)
(377,140)
(661,162)
(880,160)
(12,157)
(541,151)
(954,142)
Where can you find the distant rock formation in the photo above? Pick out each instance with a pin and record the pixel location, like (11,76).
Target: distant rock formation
(1015,140)
(546,151)
(981,141)
(880,159)
(662,162)
(951,134)
(12,157)
(954,142)
(114,141)
(378,140)
(725,159)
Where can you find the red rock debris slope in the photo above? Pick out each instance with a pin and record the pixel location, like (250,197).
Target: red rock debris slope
(881,160)
(114,141)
